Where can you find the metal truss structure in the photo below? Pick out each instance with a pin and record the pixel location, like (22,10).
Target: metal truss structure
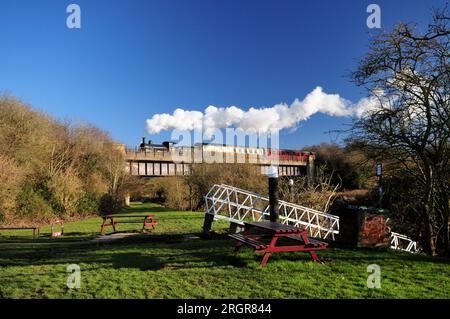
(402,242)
(237,205)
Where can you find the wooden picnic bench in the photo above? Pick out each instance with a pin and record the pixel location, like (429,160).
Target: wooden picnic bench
(147,220)
(35,229)
(255,231)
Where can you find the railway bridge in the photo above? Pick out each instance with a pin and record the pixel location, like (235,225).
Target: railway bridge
(166,159)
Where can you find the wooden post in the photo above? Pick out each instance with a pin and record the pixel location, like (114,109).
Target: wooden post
(207,223)
(273,193)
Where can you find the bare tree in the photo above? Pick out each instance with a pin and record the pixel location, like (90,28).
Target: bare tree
(117,178)
(319,195)
(11,176)
(407,74)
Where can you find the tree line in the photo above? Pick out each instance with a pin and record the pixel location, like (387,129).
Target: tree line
(407,74)
(54,169)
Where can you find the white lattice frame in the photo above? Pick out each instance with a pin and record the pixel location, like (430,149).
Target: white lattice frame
(318,224)
(397,239)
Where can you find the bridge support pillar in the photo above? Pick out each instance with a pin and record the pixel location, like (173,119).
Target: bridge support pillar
(310,168)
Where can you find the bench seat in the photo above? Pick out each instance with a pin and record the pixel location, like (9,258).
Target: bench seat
(134,222)
(312,242)
(128,216)
(34,228)
(248,241)
(17,228)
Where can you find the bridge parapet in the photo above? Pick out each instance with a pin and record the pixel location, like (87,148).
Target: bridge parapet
(155,155)
(169,156)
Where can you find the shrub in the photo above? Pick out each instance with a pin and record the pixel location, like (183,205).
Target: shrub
(203,176)
(10,182)
(348,166)
(30,205)
(187,192)
(319,196)
(88,204)
(110,204)
(63,165)
(67,190)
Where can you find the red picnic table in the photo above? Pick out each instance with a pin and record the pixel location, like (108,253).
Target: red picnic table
(147,220)
(255,231)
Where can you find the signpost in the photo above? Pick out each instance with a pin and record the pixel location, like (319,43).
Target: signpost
(379,170)
(380,187)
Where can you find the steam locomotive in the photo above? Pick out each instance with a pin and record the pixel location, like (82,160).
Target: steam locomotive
(280,154)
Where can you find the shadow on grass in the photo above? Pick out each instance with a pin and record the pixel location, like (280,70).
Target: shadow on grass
(137,260)
(47,239)
(369,255)
(155,252)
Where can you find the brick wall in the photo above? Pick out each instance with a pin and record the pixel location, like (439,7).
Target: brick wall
(374,231)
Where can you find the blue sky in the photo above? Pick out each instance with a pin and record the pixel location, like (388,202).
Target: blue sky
(132,59)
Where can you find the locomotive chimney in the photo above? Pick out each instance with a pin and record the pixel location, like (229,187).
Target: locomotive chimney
(143,143)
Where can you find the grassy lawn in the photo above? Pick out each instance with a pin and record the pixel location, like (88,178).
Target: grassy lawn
(169,263)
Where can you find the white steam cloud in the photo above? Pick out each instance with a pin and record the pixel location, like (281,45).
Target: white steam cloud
(280,116)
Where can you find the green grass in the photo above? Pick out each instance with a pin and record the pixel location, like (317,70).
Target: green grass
(165,263)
